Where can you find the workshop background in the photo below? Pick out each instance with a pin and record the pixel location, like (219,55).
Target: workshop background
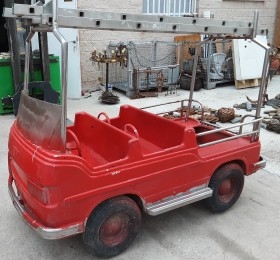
(219,9)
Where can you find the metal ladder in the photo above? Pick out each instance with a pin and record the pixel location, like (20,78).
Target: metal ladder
(46,16)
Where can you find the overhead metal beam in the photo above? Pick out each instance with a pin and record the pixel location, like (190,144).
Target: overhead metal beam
(86,19)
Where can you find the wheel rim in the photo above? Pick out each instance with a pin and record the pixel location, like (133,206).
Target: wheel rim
(114,229)
(227,190)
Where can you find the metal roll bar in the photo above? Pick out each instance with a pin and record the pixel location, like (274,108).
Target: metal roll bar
(49,17)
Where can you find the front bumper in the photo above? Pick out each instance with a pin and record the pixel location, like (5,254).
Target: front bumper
(41,230)
(260,164)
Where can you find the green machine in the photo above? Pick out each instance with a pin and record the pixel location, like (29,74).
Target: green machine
(6,86)
(7,91)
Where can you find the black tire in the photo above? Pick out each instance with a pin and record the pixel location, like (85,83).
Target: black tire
(112,226)
(227,185)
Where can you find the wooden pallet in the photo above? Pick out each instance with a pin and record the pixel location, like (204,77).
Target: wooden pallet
(184,51)
(247,83)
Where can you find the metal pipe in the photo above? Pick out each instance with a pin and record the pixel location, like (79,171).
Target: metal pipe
(27,58)
(242,120)
(255,24)
(229,127)
(167,103)
(264,74)
(264,81)
(64,73)
(194,75)
(107,77)
(55,13)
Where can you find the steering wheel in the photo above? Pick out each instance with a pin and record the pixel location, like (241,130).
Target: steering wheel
(77,142)
(130,129)
(107,119)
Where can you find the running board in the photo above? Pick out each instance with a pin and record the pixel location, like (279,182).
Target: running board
(178,201)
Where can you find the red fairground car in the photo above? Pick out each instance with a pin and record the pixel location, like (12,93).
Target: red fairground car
(112,170)
(96,177)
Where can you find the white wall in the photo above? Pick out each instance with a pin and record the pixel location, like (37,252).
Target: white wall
(243,11)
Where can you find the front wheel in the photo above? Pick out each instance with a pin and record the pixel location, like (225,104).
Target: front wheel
(227,185)
(112,226)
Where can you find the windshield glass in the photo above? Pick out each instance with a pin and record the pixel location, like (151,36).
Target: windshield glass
(40,122)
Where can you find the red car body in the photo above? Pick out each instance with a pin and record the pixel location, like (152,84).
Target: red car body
(138,154)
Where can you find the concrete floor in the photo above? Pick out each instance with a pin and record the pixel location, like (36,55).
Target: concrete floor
(249,230)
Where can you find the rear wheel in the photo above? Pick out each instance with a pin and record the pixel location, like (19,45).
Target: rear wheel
(227,185)
(112,226)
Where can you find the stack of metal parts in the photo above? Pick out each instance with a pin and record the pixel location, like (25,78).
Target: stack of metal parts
(215,63)
(156,56)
